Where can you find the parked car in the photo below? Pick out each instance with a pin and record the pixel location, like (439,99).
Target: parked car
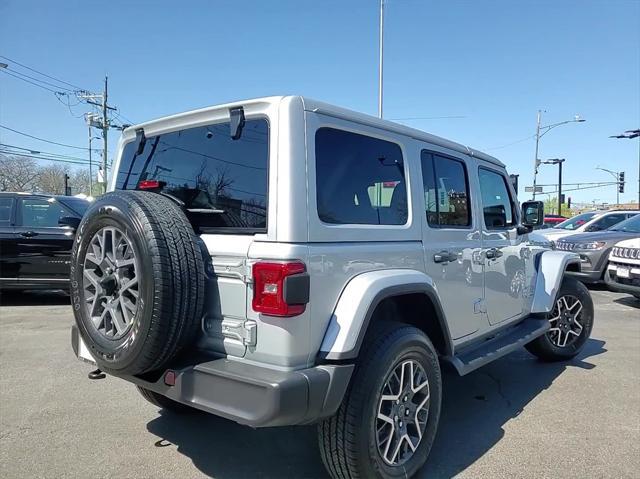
(283,261)
(587,222)
(594,248)
(623,272)
(36,236)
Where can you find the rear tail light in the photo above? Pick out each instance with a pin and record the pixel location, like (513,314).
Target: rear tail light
(280,289)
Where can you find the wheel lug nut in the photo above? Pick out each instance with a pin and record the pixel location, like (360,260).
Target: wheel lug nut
(406,412)
(395,418)
(405,399)
(400,423)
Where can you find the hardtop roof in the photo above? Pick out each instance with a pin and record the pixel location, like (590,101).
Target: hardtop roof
(330,110)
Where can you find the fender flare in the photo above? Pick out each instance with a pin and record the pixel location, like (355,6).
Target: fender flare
(358,301)
(551,266)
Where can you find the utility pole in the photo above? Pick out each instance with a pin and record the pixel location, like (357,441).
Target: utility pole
(101,122)
(90,165)
(105,129)
(380,66)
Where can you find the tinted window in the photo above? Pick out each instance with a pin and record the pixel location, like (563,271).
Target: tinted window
(606,222)
(78,205)
(446,191)
(223,182)
(5,209)
(575,222)
(40,212)
(632,225)
(496,201)
(359,179)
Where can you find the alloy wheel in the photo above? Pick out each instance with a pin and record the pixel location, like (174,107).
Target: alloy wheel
(403,411)
(565,321)
(110,282)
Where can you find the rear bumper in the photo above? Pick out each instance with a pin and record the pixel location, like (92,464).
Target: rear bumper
(253,395)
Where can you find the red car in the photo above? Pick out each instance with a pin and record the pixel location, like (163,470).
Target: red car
(551,220)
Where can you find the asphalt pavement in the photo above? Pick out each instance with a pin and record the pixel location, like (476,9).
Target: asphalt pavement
(517,417)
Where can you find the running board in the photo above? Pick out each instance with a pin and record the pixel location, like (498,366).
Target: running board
(477,355)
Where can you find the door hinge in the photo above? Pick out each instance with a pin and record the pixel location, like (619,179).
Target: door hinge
(479,306)
(245,332)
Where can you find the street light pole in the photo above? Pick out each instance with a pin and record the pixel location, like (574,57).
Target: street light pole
(381,61)
(616,175)
(631,134)
(557,161)
(536,161)
(540,132)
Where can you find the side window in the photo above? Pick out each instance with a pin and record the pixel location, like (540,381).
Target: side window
(446,190)
(607,221)
(6,204)
(497,207)
(359,179)
(39,212)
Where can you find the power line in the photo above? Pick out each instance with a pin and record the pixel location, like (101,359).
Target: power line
(4,70)
(44,158)
(510,144)
(41,81)
(47,141)
(43,74)
(40,152)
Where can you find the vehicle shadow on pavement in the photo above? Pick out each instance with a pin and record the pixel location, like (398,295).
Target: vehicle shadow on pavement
(34,298)
(227,450)
(630,301)
(475,408)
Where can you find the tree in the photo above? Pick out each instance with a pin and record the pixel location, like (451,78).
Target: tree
(80,182)
(51,179)
(17,173)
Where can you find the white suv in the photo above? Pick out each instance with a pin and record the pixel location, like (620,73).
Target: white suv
(283,261)
(623,271)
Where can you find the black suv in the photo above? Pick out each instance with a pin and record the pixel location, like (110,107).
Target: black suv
(36,236)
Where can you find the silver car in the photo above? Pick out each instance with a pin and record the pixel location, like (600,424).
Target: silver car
(594,248)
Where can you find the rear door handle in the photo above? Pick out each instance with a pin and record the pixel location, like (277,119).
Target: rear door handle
(444,257)
(493,253)
(28,234)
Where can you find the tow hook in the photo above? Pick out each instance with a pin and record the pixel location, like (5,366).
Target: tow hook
(97,374)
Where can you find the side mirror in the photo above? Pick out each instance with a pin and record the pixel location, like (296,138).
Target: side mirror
(70,221)
(532,214)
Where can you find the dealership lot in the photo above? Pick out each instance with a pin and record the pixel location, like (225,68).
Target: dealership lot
(514,418)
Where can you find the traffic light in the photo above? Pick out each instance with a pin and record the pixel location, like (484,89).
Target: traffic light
(569,203)
(621,182)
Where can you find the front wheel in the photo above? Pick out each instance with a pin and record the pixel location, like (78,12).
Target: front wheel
(571,322)
(387,422)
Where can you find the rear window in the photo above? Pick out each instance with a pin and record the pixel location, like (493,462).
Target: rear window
(222,181)
(359,179)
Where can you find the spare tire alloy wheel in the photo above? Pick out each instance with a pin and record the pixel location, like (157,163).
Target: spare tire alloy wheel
(403,410)
(110,282)
(565,321)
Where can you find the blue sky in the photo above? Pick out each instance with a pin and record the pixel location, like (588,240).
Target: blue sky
(493,62)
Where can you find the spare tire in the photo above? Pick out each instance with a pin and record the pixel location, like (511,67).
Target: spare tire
(137,281)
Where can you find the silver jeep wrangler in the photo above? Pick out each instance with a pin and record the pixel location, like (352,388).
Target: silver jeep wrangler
(282,261)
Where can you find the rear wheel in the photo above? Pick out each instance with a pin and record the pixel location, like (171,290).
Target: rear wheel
(387,422)
(163,402)
(571,322)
